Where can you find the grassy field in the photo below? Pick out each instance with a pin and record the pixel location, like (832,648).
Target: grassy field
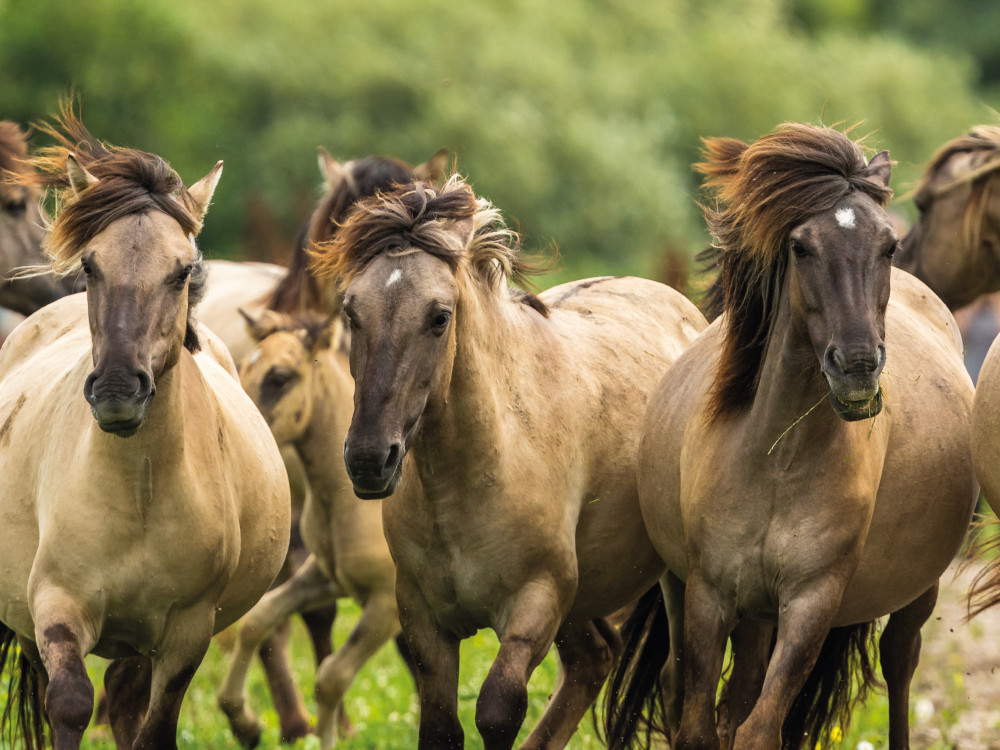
(383,706)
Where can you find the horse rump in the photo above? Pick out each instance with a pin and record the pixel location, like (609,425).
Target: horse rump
(23,714)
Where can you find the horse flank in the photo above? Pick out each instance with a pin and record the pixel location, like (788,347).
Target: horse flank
(757,194)
(419,216)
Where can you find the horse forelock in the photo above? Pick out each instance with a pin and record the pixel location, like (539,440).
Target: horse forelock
(758,193)
(422,217)
(128,181)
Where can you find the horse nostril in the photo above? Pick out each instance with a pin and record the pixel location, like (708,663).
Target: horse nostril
(392,459)
(835,360)
(145,386)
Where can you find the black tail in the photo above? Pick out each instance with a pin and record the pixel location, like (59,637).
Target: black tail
(632,697)
(844,674)
(23,714)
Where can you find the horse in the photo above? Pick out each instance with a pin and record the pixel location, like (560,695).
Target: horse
(298,377)
(154,511)
(771,509)
(954,246)
(22,229)
(500,430)
(259,289)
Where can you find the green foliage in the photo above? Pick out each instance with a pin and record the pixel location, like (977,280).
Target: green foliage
(578,119)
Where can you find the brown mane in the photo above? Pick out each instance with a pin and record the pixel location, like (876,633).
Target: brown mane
(983,140)
(420,216)
(13,164)
(761,192)
(129,181)
(299,289)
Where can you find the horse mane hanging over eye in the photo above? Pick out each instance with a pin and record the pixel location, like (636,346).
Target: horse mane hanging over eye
(757,194)
(419,216)
(129,181)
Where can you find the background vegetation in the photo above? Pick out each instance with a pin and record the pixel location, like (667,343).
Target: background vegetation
(579,119)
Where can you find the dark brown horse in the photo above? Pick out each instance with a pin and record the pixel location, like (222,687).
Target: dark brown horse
(786,478)
(22,229)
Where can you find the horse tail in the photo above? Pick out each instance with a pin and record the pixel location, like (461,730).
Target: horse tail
(843,675)
(23,713)
(632,696)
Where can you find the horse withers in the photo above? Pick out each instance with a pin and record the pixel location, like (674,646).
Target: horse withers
(500,430)
(806,463)
(145,504)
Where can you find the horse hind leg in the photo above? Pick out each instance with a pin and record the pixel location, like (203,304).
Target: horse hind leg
(126,692)
(899,652)
(587,652)
(292,714)
(378,623)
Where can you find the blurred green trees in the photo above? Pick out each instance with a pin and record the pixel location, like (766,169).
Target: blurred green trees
(579,119)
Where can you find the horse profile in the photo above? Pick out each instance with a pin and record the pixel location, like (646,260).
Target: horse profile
(954,246)
(151,510)
(22,229)
(806,462)
(299,378)
(500,428)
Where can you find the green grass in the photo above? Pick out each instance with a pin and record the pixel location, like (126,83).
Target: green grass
(382,702)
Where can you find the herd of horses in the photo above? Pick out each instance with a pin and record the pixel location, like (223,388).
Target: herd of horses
(546,465)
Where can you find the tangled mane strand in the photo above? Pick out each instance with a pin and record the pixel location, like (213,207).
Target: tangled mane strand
(423,217)
(758,193)
(299,289)
(129,181)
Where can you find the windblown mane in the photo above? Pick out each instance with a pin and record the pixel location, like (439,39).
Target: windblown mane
(13,163)
(299,289)
(761,192)
(420,216)
(128,182)
(984,142)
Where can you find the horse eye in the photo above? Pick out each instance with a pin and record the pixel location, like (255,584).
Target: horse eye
(440,321)
(183,276)
(277,379)
(88,271)
(892,250)
(799,249)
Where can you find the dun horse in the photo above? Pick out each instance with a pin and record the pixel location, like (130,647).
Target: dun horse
(22,230)
(298,376)
(501,428)
(150,511)
(786,478)
(954,247)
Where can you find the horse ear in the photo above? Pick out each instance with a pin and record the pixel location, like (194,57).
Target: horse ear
(463,229)
(79,178)
(880,168)
(258,328)
(325,336)
(201,192)
(332,170)
(434,169)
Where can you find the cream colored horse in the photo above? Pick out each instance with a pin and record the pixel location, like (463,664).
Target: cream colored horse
(501,428)
(787,479)
(144,501)
(298,377)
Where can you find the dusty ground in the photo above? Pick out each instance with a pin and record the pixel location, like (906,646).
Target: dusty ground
(959,673)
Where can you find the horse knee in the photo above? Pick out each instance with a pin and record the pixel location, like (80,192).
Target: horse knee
(500,710)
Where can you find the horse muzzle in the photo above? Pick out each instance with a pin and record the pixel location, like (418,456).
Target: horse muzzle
(374,472)
(119,403)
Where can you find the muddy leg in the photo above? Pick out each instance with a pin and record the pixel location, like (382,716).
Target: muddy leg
(308,587)
(899,652)
(126,685)
(751,650)
(587,651)
(378,623)
(435,654)
(526,638)
(178,655)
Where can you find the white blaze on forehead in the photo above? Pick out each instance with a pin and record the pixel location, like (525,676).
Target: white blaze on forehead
(845,217)
(395,276)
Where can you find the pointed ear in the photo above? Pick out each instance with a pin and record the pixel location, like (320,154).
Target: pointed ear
(880,168)
(434,169)
(201,192)
(332,170)
(323,338)
(258,328)
(463,229)
(79,178)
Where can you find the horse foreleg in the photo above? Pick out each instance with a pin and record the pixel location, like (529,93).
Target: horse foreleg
(378,623)
(587,652)
(292,714)
(899,652)
(751,651)
(126,689)
(435,654)
(524,641)
(63,638)
(672,674)
(307,587)
(708,621)
(177,656)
